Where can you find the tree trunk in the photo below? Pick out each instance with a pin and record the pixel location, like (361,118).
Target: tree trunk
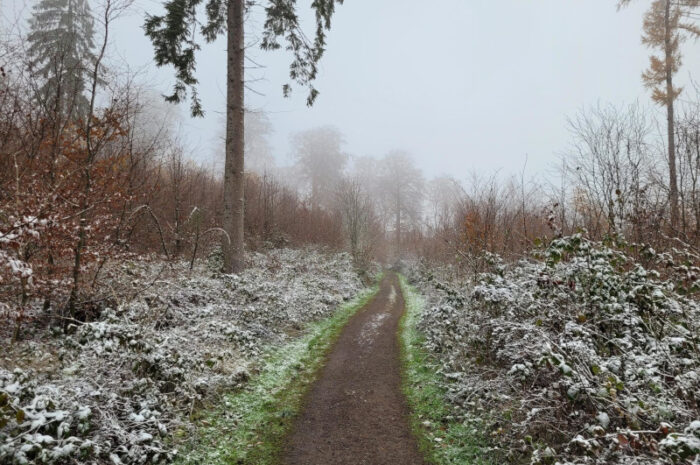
(670,97)
(178,226)
(233,171)
(80,245)
(398,226)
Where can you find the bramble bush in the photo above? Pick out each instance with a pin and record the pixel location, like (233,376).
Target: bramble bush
(579,354)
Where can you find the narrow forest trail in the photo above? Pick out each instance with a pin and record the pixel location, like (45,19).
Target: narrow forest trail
(355,413)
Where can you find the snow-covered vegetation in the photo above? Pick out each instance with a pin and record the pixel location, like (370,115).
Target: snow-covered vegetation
(121,389)
(446,439)
(585,351)
(576,355)
(248,426)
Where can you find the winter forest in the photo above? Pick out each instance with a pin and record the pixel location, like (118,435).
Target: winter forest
(223,241)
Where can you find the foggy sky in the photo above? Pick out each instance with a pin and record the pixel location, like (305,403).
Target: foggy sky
(462,85)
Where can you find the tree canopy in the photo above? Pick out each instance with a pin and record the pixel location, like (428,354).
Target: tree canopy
(174,36)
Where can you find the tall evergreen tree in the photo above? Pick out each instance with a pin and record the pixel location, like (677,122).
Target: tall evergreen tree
(61,53)
(174,41)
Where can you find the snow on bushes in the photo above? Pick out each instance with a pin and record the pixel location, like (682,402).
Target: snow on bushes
(580,356)
(120,389)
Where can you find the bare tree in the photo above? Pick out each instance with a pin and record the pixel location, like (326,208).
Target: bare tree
(688,147)
(608,163)
(258,152)
(177,172)
(356,209)
(98,132)
(444,195)
(402,185)
(321,161)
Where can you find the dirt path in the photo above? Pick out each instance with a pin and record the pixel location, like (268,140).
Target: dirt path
(355,413)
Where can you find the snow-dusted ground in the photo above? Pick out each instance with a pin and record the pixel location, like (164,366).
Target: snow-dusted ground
(581,356)
(120,389)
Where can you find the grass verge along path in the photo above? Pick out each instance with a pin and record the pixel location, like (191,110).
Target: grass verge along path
(248,426)
(442,438)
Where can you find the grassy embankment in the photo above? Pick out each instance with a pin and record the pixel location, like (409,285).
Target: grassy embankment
(442,438)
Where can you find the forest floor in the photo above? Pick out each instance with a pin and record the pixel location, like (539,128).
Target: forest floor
(355,413)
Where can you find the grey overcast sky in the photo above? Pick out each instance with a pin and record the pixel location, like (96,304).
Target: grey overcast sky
(463,85)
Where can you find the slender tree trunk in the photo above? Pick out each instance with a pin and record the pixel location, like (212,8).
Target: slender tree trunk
(314,193)
(178,226)
(696,169)
(233,171)
(670,97)
(80,246)
(398,227)
(87,167)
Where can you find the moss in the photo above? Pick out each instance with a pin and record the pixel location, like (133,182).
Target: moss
(443,439)
(249,427)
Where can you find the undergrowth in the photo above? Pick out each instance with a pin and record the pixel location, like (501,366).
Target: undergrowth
(248,427)
(442,438)
(578,355)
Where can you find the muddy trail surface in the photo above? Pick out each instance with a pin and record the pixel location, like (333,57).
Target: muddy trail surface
(355,413)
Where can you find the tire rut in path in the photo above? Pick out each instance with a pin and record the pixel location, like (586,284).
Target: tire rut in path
(355,413)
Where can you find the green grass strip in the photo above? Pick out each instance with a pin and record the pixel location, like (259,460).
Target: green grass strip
(248,427)
(442,439)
